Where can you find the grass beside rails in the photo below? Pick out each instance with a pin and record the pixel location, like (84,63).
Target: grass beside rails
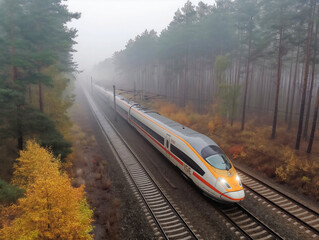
(276,158)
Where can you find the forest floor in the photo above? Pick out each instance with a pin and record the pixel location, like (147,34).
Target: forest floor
(253,147)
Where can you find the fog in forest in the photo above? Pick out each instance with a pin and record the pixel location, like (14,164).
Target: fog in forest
(251,58)
(107,26)
(244,73)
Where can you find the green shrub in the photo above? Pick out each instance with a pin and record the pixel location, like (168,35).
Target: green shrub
(9,193)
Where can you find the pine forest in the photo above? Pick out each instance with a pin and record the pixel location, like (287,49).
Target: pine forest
(239,63)
(110,131)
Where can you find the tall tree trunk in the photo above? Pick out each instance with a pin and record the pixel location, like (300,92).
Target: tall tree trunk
(303,98)
(19,127)
(288,95)
(200,80)
(262,83)
(14,79)
(293,90)
(314,123)
(30,93)
(12,48)
(305,134)
(40,85)
(41,96)
(273,134)
(269,96)
(247,75)
(237,77)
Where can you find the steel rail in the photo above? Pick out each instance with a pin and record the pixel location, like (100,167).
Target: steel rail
(149,180)
(293,201)
(221,212)
(276,235)
(270,233)
(283,210)
(278,192)
(228,210)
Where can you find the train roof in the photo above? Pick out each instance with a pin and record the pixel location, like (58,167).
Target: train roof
(197,140)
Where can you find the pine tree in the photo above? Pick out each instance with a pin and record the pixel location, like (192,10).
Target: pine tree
(314,124)
(26,56)
(276,20)
(247,11)
(311,10)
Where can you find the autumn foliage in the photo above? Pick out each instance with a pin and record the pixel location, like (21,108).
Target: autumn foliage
(236,151)
(273,158)
(51,207)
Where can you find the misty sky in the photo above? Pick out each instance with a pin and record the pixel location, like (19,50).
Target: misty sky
(107,25)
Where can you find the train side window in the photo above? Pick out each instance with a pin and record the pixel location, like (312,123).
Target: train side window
(155,135)
(186,159)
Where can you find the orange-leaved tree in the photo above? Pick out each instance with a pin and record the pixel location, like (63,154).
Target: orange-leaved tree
(34,161)
(51,208)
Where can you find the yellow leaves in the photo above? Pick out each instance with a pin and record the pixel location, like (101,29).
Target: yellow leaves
(290,168)
(167,109)
(211,126)
(33,161)
(215,123)
(51,208)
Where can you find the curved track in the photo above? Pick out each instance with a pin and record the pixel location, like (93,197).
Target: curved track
(306,217)
(168,220)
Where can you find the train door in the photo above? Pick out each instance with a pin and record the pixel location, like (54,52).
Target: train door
(168,145)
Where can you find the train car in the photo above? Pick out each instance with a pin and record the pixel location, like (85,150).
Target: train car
(196,155)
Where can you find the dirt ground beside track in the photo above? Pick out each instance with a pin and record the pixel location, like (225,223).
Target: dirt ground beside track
(117,214)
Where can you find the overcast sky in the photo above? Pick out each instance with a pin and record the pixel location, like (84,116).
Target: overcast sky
(107,25)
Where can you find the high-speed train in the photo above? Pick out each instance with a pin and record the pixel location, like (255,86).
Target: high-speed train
(196,155)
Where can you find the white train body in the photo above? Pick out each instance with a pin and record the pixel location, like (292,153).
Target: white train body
(196,155)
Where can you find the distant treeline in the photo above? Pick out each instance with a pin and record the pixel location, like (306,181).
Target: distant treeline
(36,55)
(251,57)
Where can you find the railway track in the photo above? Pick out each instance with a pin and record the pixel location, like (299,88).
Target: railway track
(169,221)
(247,226)
(307,218)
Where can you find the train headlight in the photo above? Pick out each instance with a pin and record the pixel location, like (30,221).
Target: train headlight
(239,181)
(224,183)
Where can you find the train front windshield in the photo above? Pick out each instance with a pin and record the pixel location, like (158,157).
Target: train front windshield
(216,157)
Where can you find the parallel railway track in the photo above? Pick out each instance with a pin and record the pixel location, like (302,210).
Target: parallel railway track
(306,217)
(247,225)
(169,221)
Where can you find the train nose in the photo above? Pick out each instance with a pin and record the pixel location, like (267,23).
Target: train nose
(236,196)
